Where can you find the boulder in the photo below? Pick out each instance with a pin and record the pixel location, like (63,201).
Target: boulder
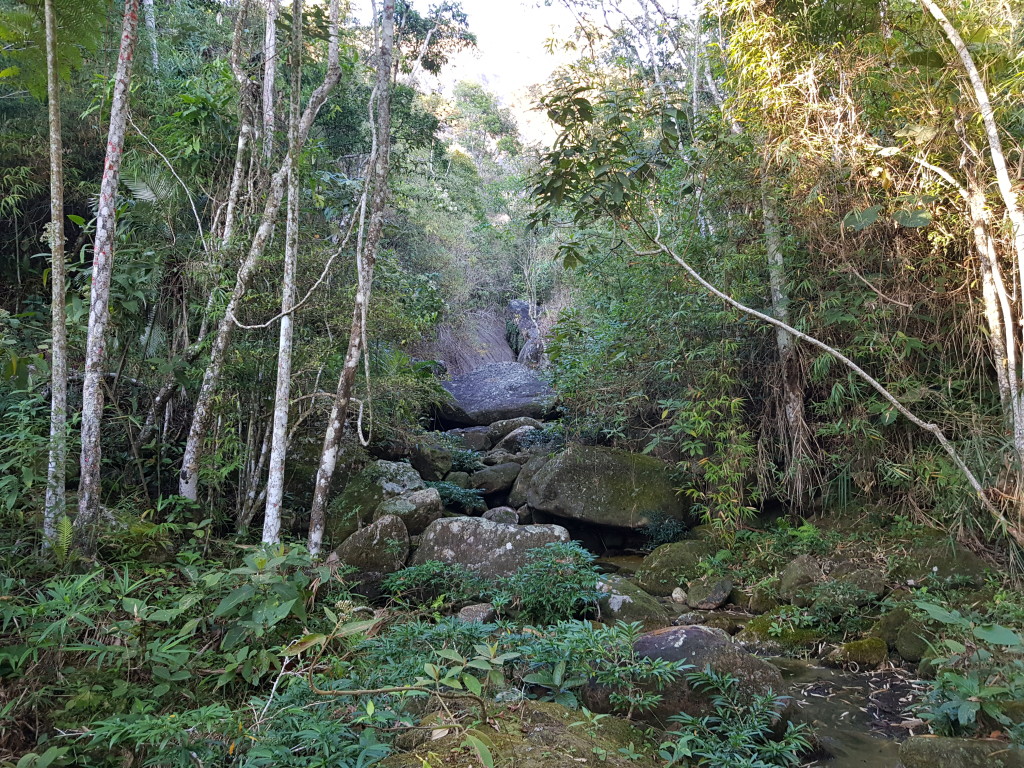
(493,550)
(418,509)
(947,752)
(505,515)
(797,579)
(494,458)
(708,594)
(606,486)
(499,430)
(678,595)
(668,566)
(870,581)
(517,497)
(473,438)
(913,641)
(888,627)
(431,459)
(702,647)
(479,613)
(868,653)
(461,479)
(936,560)
(496,479)
(622,600)
(762,599)
(380,547)
(362,495)
(495,392)
(531,350)
(517,440)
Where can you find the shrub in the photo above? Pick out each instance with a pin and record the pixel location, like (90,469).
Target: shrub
(558,581)
(662,529)
(434,584)
(464,500)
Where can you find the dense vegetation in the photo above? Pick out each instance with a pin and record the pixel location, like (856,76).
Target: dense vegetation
(777,245)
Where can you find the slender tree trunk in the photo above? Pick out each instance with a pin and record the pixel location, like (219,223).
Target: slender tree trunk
(794,425)
(102,268)
(188,482)
(56,466)
(149,11)
(269,77)
(282,393)
(372,203)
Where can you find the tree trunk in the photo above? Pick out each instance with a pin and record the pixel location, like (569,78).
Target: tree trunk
(372,204)
(188,481)
(269,77)
(282,393)
(149,11)
(56,465)
(102,268)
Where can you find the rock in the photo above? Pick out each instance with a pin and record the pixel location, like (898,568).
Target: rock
(497,479)
(762,599)
(740,599)
(494,458)
(871,581)
(688,619)
(869,653)
(431,459)
(678,595)
(505,515)
(363,494)
(473,438)
(801,574)
(702,647)
(941,560)
(888,627)
(493,550)
(946,752)
(495,392)
(499,430)
(621,600)
(480,613)
(517,497)
(531,351)
(460,479)
(525,515)
(708,594)
(533,734)
(727,621)
(668,566)
(606,486)
(380,547)
(773,634)
(516,440)
(912,641)
(417,509)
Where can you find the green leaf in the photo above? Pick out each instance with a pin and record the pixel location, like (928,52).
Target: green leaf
(304,643)
(967,711)
(233,600)
(76,219)
(135,607)
(858,220)
(918,217)
(997,634)
(481,748)
(472,684)
(940,614)
(451,655)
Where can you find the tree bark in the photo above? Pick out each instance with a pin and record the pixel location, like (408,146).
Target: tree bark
(372,204)
(188,482)
(149,11)
(56,466)
(282,393)
(269,78)
(102,268)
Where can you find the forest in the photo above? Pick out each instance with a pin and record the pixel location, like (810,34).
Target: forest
(348,420)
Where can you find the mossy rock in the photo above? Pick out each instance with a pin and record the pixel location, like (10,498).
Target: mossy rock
(670,565)
(888,627)
(913,641)
(945,752)
(798,578)
(758,634)
(431,458)
(622,600)
(868,653)
(938,560)
(763,598)
(362,495)
(538,735)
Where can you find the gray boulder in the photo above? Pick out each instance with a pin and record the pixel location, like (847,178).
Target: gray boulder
(494,392)
(796,581)
(702,647)
(418,509)
(517,497)
(497,431)
(532,349)
(380,547)
(622,600)
(473,438)
(362,495)
(493,550)
(708,594)
(517,440)
(431,459)
(606,486)
(947,752)
(670,565)
(497,479)
(505,515)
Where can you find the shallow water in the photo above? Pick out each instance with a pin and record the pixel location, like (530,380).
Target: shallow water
(833,701)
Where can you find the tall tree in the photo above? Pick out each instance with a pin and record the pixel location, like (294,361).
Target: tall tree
(269,78)
(102,270)
(56,465)
(371,227)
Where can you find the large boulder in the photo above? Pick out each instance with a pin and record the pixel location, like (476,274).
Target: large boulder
(701,647)
(606,486)
(517,497)
(518,439)
(945,752)
(499,430)
(671,565)
(531,349)
(708,594)
(497,479)
(622,600)
(495,392)
(418,509)
(493,550)
(472,438)
(798,579)
(380,547)
(430,458)
(362,495)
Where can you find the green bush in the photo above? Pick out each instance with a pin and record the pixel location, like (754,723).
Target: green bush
(557,582)
(434,584)
(465,500)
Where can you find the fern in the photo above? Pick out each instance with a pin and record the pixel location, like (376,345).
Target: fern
(64,540)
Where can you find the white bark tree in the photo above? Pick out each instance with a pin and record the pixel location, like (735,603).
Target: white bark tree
(102,269)
(269,78)
(56,465)
(371,227)
(188,482)
(149,11)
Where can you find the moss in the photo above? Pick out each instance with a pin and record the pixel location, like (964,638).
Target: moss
(759,629)
(867,653)
(670,565)
(888,627)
